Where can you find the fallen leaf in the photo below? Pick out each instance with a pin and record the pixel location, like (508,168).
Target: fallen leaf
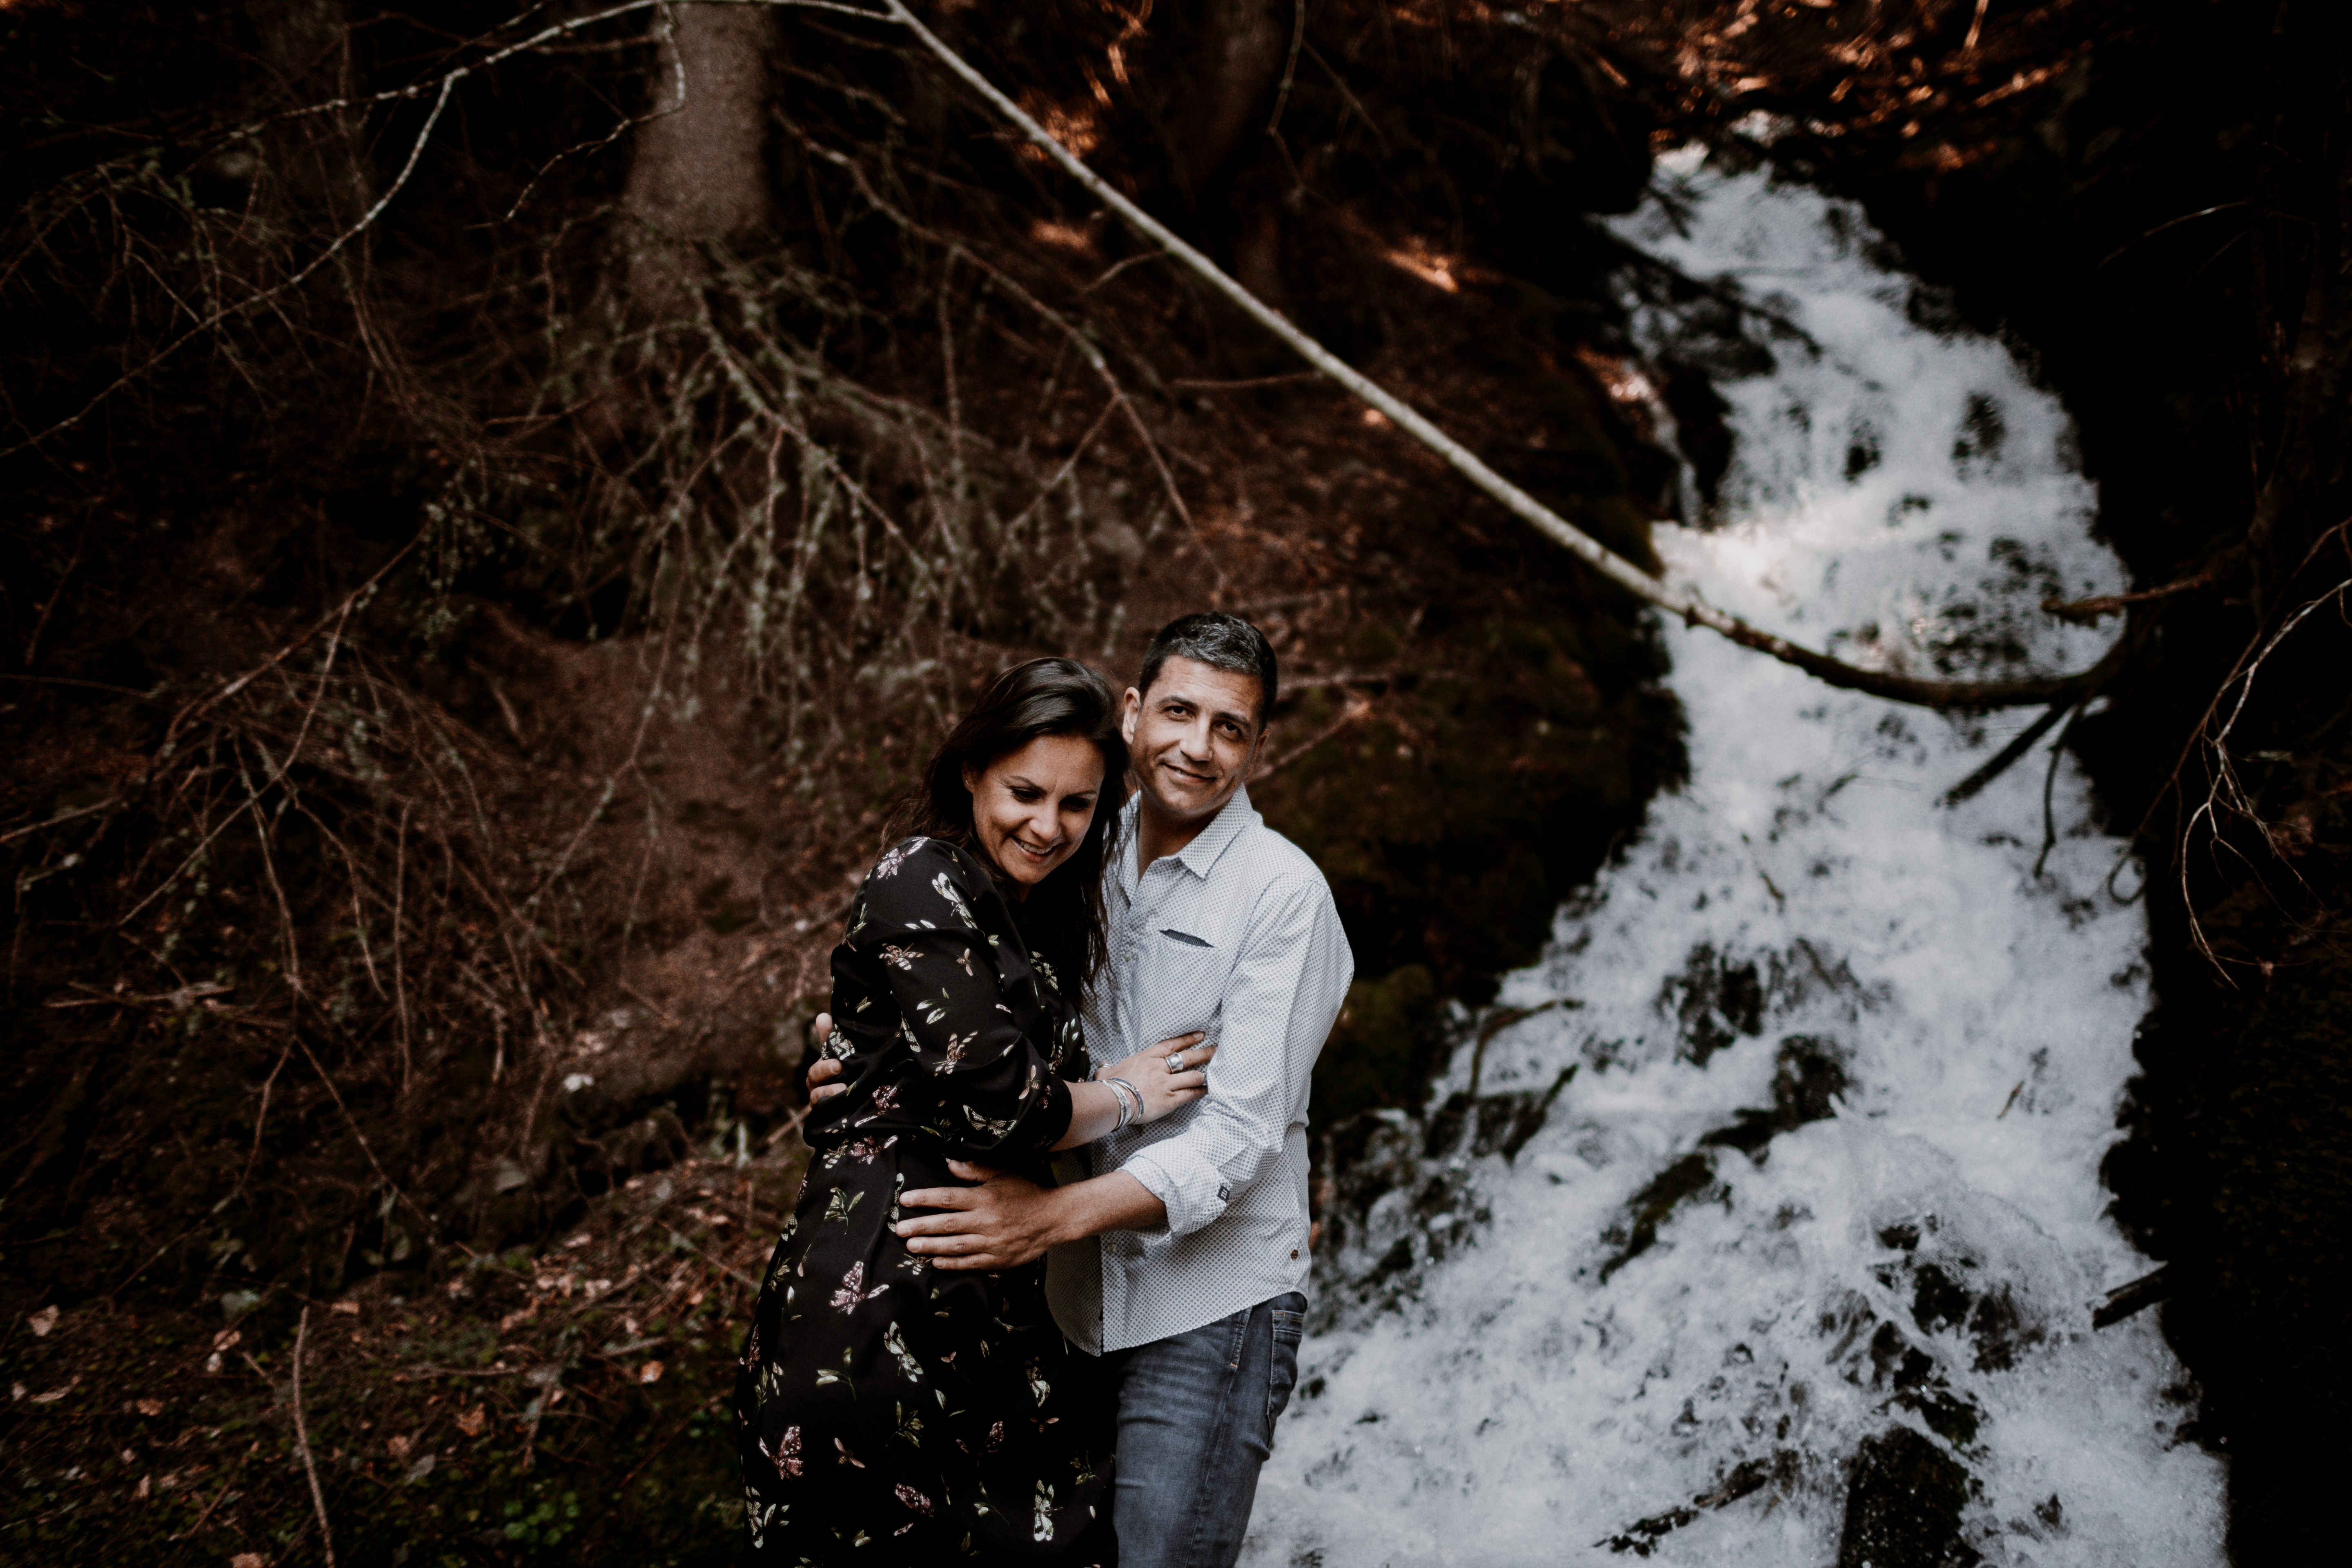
(421,1469)
(348,1308)
(42,1322)
(247,1559)
(212,1362)
(520,1315)
(15,1390)
(470,1421)
(151,1407)
(141,1495)
(651,1371)
(228,1339)
(399,1447)
(53,1396)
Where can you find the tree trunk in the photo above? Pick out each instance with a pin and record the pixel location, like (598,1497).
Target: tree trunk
(307,45)
(699,170)
(1236,64)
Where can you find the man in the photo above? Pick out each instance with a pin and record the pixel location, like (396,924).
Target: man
(1182,1259)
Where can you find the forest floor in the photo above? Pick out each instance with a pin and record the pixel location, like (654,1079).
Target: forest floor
(566,1402)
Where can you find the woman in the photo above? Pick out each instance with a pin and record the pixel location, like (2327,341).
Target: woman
(888,1411)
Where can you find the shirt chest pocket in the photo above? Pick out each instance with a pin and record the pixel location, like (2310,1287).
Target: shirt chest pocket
(1181,980)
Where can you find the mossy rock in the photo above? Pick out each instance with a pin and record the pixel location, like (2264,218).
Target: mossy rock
(1388,1030)
(1490,781)
(1493,776)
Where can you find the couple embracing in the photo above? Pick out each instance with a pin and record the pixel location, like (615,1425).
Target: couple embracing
(1057,1206)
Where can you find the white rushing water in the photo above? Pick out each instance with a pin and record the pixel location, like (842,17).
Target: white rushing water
(1493,1380)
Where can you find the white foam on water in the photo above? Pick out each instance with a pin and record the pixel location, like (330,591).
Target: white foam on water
(1479,1392)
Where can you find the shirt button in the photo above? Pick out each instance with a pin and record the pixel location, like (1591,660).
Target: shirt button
(1294,1252)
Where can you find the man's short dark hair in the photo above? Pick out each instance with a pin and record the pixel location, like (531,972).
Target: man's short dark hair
(1220,641)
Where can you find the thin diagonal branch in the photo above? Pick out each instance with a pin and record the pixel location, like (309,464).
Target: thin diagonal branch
(1694,610)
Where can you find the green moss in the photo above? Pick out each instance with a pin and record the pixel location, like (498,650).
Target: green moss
(1387,1032)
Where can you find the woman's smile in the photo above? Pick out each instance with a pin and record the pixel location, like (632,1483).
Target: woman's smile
(1031,807)
(1040,853)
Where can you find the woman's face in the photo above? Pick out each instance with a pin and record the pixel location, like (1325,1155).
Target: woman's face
(1031,808)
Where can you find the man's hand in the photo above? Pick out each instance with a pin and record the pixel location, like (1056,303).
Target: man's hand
(1002,1223)
(826,1069)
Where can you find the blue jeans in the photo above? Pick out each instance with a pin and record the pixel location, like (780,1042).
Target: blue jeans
(1196,1413)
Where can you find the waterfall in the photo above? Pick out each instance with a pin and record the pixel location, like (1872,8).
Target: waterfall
(1763,1215)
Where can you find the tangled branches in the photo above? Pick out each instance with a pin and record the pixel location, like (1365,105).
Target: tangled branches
(371,901)
(2229,820)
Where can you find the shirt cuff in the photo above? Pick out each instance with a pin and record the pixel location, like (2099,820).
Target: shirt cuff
(1189,1189)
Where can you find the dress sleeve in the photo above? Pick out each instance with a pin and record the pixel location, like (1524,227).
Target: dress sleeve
(995,1088)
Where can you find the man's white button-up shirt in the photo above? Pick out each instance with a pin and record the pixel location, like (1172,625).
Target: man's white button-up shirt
(1234,934)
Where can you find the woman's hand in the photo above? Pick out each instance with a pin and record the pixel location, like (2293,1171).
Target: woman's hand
(825,1068)
(1170,1075)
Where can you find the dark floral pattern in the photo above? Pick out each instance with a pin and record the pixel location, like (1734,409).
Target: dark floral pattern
(888,1412)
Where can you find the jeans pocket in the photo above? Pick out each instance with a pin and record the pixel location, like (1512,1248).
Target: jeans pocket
(1289,1328)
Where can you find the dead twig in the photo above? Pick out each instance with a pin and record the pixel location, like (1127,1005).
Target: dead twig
(2087,611)
(303,1442)
(2136,1297)
(226,1482)
(2065,709)
(1358,708)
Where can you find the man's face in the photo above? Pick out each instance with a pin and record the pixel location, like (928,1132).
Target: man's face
(1193,735)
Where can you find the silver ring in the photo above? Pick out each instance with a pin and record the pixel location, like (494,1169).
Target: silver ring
(1175,1061)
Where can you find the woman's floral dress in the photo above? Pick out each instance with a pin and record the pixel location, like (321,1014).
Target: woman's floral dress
(887,1411)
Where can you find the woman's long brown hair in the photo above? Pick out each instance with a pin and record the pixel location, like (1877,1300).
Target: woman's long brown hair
(1063,914)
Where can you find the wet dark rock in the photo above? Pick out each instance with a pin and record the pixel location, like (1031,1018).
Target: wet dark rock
(1389,1214)
(1702,428)
(1692,1176)
(1947,1291)
(1903,1501)
(1716,1001)
(1505,755)
(1497,1123)
(1810,1076)
(2001,1331)
(1954,1417)
(1894,1360)
(1749,1476)
(1891,1360)
(1938,1299)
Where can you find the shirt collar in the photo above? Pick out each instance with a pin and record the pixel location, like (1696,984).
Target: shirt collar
(1236,817)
